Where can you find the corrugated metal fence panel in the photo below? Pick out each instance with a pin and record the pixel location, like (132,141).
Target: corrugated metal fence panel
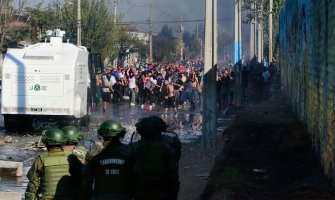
(307,54)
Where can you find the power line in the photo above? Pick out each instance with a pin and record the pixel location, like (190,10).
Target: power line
(159,22)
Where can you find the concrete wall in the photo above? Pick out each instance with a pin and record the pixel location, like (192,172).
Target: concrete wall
(307,45)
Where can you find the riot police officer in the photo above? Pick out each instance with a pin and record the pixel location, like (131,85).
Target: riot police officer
(109,172)
(74,143)
(156,161)
(73,137)
(50,176)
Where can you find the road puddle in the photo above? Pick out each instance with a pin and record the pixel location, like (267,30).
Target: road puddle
(14,184)
(187,125)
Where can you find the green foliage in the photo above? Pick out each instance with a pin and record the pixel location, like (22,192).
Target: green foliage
(262,10)
(126,42)
(17,34)
(164,48)
(179,43)
(99,32)
(40,20)
(97,26)
(69,20)
(166,32)
(192,44)
(12,26)
(37,16)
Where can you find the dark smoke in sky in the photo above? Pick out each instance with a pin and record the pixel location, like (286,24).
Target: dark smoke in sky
(170,11)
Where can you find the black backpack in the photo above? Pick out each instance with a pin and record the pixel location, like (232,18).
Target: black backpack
(151,162)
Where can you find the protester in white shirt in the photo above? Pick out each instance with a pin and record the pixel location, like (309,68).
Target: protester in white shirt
(132,88)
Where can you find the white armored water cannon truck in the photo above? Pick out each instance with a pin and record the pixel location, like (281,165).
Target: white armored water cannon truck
(45,81)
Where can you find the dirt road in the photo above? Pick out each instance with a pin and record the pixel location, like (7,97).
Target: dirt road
(268,156)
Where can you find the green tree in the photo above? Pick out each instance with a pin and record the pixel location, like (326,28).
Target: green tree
(40,20)
(264,13)
(97,26)
(192,44)
(179,44)
(166,32)
(99,32)
(164,47)
(126,42)
(12,24)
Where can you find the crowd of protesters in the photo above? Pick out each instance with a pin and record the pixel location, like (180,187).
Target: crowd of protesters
(176,85)
(262,75)
(148,85)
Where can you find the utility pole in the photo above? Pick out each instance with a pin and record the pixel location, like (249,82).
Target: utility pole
(79,24)
(252,32)
(201,48)
(262,39)
(260,33)
(238,54)
(181,35)
(150,33)
(270,31)
(115,10)
(215,41)
(1,7)
(238,42)
(116,61)
(209,94)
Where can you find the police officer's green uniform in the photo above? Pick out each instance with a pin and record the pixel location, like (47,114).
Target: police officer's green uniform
(54,174)
(73,137)
(156,161)
(74,143)
(110,171)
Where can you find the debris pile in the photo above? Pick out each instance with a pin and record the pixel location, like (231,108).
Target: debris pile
(37,146)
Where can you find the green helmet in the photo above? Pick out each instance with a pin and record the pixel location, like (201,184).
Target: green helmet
(152,125)
(53,137)
(72,134)
(111,128)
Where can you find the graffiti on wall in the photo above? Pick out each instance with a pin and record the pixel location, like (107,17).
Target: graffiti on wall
(307,54)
